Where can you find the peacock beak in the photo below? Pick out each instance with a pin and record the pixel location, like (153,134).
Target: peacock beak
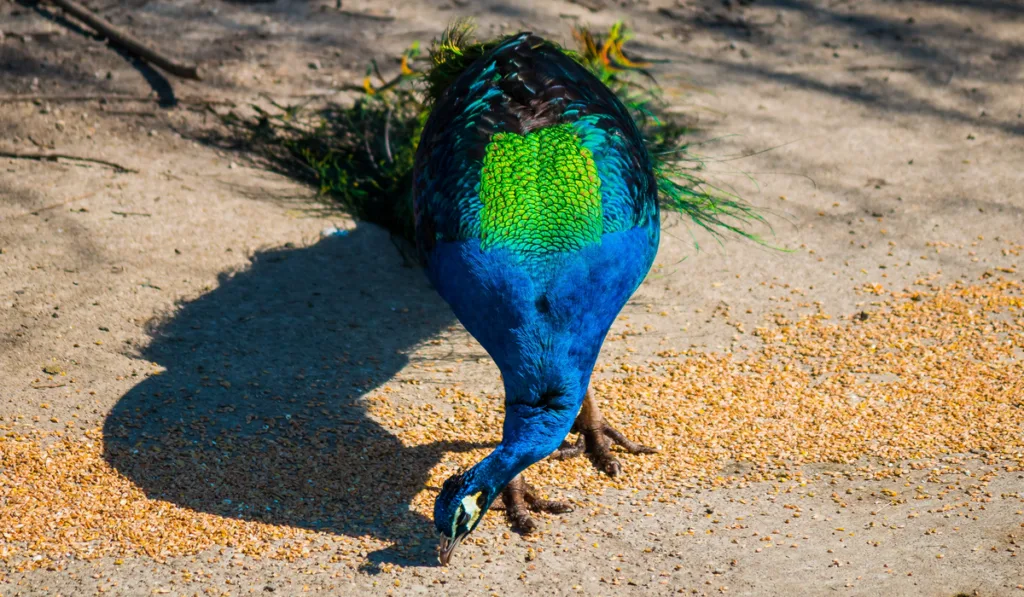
(447,548)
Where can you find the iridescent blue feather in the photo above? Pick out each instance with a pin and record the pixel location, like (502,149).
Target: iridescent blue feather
(543,320)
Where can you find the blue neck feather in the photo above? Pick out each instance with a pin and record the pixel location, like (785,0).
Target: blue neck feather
(544,331)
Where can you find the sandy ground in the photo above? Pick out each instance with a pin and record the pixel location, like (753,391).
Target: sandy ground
(894,145)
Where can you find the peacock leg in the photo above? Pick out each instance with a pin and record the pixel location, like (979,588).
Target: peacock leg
(596,438)
(520,498)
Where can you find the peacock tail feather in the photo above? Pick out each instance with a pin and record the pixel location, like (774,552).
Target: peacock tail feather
(362,155)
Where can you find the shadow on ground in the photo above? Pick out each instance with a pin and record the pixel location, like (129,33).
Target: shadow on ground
(261,413)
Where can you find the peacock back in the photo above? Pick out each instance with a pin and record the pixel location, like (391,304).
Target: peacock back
(526,150)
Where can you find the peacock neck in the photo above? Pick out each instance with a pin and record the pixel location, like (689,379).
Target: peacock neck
(499,468)
(530,434)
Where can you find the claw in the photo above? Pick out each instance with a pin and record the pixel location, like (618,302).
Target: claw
(570,450)
(520,498)
(596,437)
(628,445)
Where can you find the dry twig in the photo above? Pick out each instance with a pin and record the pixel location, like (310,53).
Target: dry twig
(112,99)
(53,157)
(127,41)
(377,16)
(36,212)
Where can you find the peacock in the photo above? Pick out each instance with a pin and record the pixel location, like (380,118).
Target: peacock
(537,176)
(536,210)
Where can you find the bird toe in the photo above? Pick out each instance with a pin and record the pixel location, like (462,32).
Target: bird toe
(551,506)
(522,521)
(608,463)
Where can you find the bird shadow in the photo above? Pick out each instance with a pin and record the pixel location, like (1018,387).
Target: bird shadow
(262,412)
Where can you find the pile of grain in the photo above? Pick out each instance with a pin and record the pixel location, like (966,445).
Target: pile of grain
(916,376)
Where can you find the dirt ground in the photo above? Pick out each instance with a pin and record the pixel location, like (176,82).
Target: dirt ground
(883,139)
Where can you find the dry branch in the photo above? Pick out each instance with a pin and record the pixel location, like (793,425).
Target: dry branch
(127,41)
(36,212)
(111,99)
(53,157)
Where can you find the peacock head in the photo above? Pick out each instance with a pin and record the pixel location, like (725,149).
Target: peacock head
(459,508)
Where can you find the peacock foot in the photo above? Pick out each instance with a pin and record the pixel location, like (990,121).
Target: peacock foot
(596,438)
(520,498)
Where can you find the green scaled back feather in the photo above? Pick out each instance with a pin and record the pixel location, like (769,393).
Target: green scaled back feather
(362,155)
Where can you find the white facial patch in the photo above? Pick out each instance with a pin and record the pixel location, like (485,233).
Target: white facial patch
(469,505)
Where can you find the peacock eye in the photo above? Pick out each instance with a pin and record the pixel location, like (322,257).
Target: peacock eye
(462,518)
